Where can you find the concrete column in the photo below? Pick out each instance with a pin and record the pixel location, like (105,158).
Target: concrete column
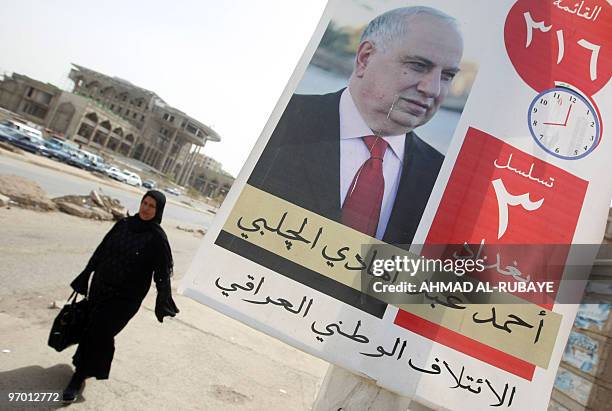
(190,166)
(108,139)
(198,150)
(145,152)
(167,165)
(187,175)
(171,163)
(144,132)
(155,160)
(151,156)
(157,163)
(205,187)
(93,134)
(167,152)
(150,152)
(184,167)
(133,148)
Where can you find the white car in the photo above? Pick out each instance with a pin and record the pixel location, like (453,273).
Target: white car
(132,178)
(117,174)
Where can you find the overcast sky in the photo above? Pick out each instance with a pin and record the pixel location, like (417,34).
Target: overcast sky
(224,63)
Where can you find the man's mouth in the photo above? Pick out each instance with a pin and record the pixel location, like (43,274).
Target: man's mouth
(414,107)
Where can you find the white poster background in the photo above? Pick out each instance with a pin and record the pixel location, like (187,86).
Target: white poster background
(497,105)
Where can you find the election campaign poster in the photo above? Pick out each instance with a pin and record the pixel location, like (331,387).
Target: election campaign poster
(413,209)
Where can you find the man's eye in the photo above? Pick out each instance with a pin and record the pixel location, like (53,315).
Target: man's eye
(448,76)
(417,66)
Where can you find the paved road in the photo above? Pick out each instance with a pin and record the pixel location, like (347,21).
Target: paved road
(57,183)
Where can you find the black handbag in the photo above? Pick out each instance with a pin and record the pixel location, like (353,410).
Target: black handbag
(70,323)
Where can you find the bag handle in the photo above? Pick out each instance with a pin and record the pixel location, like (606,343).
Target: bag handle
(72,297)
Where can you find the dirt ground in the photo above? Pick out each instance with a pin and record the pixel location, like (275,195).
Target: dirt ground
(201,360)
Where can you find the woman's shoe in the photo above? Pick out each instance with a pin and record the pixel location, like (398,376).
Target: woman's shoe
(71,392)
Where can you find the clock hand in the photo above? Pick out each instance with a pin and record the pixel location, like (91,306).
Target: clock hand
(568,113)
(566,118)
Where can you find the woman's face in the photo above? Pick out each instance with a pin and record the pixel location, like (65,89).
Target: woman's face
(148,207)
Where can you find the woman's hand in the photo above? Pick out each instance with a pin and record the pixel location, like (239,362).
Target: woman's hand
(164,304)
(165,307)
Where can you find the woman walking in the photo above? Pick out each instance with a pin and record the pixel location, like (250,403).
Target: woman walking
(133,252)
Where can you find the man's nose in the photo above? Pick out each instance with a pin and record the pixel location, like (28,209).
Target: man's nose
(430,84)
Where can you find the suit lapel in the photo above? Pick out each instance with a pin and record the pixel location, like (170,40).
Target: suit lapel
(419,173)
(321,158)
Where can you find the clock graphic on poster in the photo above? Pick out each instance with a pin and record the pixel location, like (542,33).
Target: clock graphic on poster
(564,123)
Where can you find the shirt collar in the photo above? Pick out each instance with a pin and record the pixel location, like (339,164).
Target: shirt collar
(352,125)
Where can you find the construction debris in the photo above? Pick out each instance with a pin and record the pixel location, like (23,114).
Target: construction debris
(196,231)
(25,193)
(95,206)
(4,200)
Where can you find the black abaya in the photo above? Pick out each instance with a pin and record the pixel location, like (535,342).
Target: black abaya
(132,253)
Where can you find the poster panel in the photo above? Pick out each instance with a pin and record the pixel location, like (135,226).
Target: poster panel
(502,141)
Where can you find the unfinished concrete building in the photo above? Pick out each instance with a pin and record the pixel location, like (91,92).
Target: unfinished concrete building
(165,134)
(108,114)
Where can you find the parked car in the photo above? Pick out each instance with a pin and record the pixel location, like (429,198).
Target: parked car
(68,146)
(114,172)
(8,134)
(172,191)
(93,158)
(57,151)
(150,184)
(133,179)
(80,162)
(23,128)
(100,166)
(30,143)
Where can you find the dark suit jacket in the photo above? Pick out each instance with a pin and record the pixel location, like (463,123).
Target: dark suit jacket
(301,164)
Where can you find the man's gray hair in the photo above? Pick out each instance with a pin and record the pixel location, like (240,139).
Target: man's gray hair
(393,24)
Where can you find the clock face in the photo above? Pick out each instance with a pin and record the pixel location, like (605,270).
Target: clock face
(564,123)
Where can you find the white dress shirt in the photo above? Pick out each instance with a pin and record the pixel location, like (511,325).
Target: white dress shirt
(354,152)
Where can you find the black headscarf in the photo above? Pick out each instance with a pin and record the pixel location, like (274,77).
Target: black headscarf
(136,224)
(160,204)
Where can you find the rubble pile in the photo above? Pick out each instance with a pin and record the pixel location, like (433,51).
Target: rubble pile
(25,193)
(95,206)
(198,232)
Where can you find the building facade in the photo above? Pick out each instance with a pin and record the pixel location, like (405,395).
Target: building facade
(111,115)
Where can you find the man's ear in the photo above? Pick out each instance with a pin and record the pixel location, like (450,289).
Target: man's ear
(364,52)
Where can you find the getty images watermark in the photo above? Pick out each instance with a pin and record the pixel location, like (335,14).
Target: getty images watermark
(389,270)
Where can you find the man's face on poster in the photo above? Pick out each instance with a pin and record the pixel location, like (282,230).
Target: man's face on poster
(401,85)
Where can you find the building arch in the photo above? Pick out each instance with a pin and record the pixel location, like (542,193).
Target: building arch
(93,117)
(124,149)
(107,125)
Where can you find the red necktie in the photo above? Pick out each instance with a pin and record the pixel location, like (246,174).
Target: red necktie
(361,208)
